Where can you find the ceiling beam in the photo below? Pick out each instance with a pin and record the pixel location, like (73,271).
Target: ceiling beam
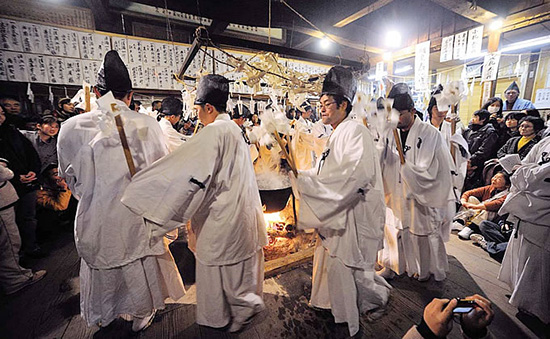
(464,8)
(513,22)
(304,43)
(339,40)
(361,13)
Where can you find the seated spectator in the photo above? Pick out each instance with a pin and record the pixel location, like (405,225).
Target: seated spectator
(25,164)
(13,277)
(44,140)
(513,102)
(532,112)
(52,198)
(522,144)
(480,204)
(437,319)
(494,237)
(482,140)
(65,110)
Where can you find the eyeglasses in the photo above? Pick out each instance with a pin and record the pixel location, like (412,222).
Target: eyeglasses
(325,106)
(525,126)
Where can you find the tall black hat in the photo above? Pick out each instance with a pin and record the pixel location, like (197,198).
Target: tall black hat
(113,74)
(513,86)
(340,81)
(238,114)
(401,95)
(212,89)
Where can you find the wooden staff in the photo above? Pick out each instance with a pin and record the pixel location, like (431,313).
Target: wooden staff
(290,152)
(399,147)
(87,103)
(453,130)
(124,141)
(196,128)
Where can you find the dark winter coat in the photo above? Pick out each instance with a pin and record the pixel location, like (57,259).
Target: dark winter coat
(511,147)
(482,144)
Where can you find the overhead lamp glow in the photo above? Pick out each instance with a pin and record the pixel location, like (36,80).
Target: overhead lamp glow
(527,44)
(403,69)
(325,43)
(387,56)
(496,24)
(393,39)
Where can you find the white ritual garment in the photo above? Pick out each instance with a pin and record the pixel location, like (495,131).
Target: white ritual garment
(526,264)
(172,138)
(210,180)
(343,199)
(115,246)
(419,194)
(305,144)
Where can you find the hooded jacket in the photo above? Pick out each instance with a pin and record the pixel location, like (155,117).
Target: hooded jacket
(482,143)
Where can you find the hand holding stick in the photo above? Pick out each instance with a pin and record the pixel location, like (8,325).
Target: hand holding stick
(399,146)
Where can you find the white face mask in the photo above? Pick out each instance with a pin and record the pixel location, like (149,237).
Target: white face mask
(493,109)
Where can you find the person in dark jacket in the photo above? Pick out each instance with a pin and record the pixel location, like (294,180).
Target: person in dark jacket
(25,164)
(482,141)
(529,127)
(494,106)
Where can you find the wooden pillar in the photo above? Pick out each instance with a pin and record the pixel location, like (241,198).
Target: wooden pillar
(492,47)
(531,74)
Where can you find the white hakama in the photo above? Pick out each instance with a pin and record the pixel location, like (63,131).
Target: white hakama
(233,291)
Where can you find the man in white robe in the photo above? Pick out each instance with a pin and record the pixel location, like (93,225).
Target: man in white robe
(526,264)
(343,199)
(305,143)
(171,111)
(123,270)
(210,180)
(417,192)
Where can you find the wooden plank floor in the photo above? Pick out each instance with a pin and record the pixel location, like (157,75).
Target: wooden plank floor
(50,308)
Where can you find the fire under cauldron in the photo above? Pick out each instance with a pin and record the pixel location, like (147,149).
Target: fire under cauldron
(275,200)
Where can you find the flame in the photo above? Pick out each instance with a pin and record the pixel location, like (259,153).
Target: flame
(271,218)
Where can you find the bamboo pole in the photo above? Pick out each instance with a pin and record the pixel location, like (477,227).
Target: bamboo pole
(282,145)
(124,141)
(88,105)
(399,146)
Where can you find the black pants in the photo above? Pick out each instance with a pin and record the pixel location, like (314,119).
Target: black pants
(25,213)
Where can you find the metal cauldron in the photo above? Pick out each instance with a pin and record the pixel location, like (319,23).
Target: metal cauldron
(275,200)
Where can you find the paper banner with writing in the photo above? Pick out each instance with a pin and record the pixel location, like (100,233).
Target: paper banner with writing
(73,71)
(56,70)
(134,52)
(16,66)
(490,67)
(421,66)
(121,46)
(459,50)
(137,75)
(10,37)
(103,45)
(90,68)
(31,38)
(475,39)
(37,67)
(148,57)
(3,74)
(447,49)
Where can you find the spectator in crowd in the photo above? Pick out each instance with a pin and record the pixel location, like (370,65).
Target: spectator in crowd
(494,106)
(44,140)
(156,105)
(513,103)
(511,127)
(529,127)
(25,164)
(65,110)
(525,266)
(12,111)
(480,204)
(532,112)
(187,126)
(255,120)
(52,198)
(437,320)
(13,277)
(482,140)
(137,105)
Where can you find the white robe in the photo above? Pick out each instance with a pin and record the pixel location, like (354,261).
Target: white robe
(419,195)
(306,145)
(114,243)
(343,199)
(210,180)
(172,138)
(526,264)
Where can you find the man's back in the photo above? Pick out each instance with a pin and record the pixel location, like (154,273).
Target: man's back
(91,158)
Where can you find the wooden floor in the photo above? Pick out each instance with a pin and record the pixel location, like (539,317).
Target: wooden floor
(50,308)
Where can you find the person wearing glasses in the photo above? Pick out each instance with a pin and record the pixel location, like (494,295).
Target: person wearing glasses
(527,138)
(513,103)
(419,195)
(343,199)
